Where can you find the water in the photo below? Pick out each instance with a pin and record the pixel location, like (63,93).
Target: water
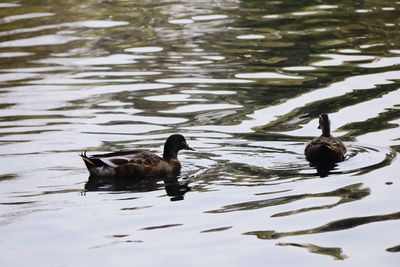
(244,81)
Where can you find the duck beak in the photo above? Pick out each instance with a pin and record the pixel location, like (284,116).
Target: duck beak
(187,147)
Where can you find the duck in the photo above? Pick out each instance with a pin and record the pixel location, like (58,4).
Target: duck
(325,149)
(138,163)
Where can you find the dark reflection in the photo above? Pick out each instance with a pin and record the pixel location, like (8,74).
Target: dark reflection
(18,203)
(64,96)
(161,226)
(7,177)
(174,188)
(346,194)
(383,122)
(243,174)
(369,157)
(394,249)
(336,253)
(323,170)
(338,225)
(219,229)
(389,157)
(95,183)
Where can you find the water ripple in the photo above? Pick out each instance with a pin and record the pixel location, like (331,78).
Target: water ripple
(40,40)
(14,18)
(244,82)
(338,225)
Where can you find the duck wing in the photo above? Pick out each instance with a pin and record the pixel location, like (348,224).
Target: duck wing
(330,142)
(119,153)
(144,158)
(328,149)
(117,159)
(334,144)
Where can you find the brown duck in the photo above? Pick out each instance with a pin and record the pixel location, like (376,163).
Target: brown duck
(325,149)
(138,163)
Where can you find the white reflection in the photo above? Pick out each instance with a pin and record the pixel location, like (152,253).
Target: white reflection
(211,92)
(123,129)
(180,21)
(173,98)
(24,16)
(201,107)
(202,80)
(267,75)
(209,17)
(326,7)
(40,40)
(2,5)
(158,120)
(146,49)
(14,54)
(251,37)
(78,24)
(96,23)
(17,76)
(88,61)
(300,68)
(338,60)
(305,13)
(267,115)
(198,62)
(214,57)
(54,79)
(272,16)
(114,73)
(382,62)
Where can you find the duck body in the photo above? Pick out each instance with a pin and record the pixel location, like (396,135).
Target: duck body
(138,163)
(325,149)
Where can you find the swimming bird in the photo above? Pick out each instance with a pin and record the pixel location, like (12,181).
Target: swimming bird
(138,163)
(325,149)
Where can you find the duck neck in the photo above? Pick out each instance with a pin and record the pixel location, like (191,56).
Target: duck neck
(326,131)
(170,152)
(170,155)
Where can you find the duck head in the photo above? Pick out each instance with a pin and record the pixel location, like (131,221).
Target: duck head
(173,145)
(324,124)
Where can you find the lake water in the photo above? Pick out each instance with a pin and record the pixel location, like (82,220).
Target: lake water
(244,82)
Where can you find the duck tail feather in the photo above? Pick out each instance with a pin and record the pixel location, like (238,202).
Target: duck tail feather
(88,162)
(91,162)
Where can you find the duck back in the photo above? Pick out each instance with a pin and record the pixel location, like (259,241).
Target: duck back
(136,164)
(325,150)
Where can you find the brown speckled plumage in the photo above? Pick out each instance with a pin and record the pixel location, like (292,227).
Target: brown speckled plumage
(326,148)
(138,163)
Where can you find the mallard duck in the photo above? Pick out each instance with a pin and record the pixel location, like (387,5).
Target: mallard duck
(325,149)
(138,163)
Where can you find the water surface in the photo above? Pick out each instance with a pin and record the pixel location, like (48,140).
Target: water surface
(244,81)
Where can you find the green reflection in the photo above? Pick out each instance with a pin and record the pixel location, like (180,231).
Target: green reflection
(346,194)
(336,253)
(394,249)
(338,225)
(76,74)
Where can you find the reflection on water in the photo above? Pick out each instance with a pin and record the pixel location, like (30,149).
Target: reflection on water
(336,253)
(245,82)
(332,226)
(174,188)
